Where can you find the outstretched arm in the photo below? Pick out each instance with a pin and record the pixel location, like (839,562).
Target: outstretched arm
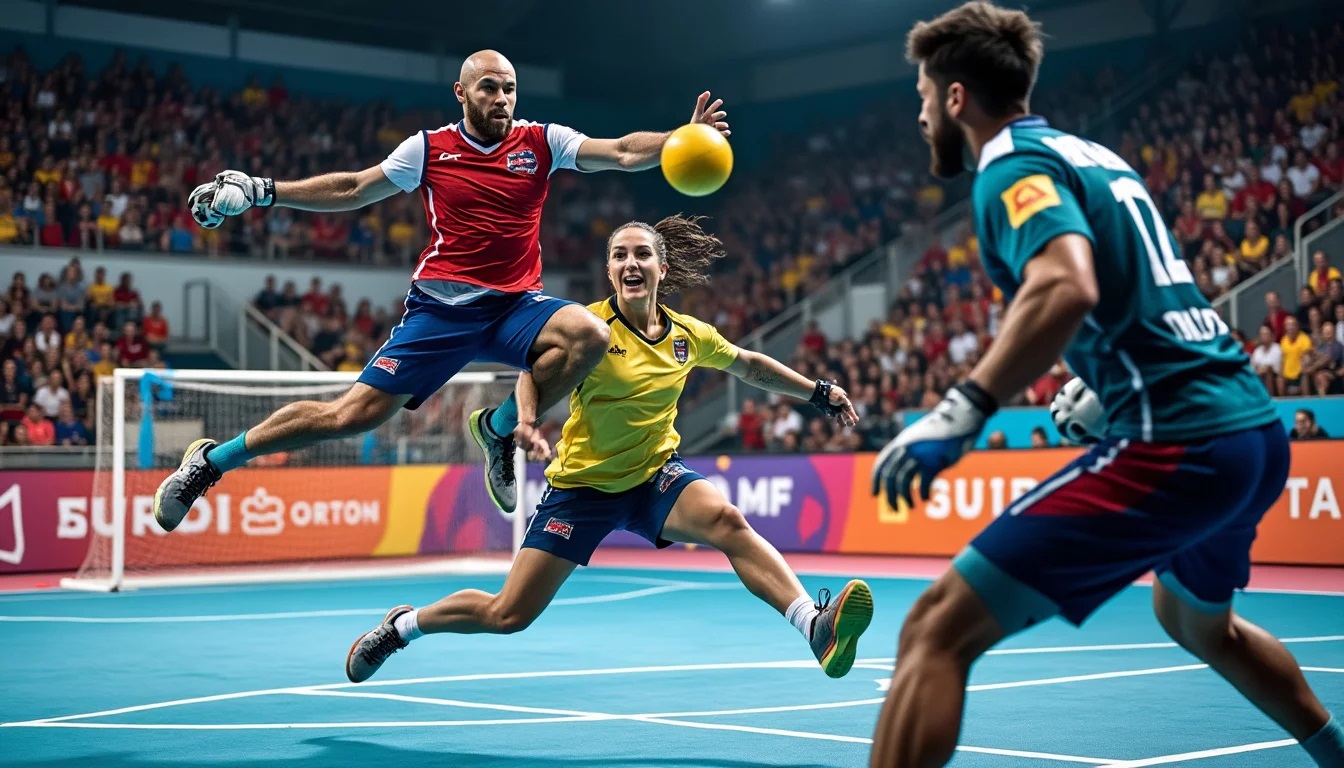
(643,150)
(336,191)
(773,376)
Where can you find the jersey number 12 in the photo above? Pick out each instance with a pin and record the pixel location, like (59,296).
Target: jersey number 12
(1168,268)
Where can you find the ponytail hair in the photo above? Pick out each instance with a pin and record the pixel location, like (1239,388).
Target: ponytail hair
(683,246)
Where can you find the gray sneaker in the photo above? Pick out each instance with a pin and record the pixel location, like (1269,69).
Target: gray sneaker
(373,647)
(836,630)
(178,491)
(499,479)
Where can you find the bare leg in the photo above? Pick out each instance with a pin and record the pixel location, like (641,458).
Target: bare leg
(304,423)
(1248,657)
(947,629)
(702,516)
(530,586)
(569,347)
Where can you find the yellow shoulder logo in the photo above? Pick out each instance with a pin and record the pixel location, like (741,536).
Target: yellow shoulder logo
(1028,197)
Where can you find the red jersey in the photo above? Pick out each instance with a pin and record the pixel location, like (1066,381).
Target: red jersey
(483,202)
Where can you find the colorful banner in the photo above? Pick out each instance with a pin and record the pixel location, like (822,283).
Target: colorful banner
(818,503)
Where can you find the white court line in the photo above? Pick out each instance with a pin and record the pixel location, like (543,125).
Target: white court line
(301,726)
(588,600)
(1201,754)
(1082,678)
(1323,669)
(463,704)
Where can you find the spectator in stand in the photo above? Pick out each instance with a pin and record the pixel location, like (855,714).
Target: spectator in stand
(1043,391)
(1305,426)
(126,299)
(1212,202)
(1326,363)
(1304,177)
(1039,439)
(69,297)
(155,327)
(751,427)
(268,300)
(15,393)
(68,430)
(814,341)
(785,429)
(1296,345)
(41,431)
(51,396)
(101,302)
(1321,273)
(107,360)
(1276,316)
(996,441)
(1267,359)
(132,351)
(48,335)
(1253,252)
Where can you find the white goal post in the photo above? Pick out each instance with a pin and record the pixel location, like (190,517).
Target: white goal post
(412,488)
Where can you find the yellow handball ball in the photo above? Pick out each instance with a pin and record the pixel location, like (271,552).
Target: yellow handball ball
(697,160)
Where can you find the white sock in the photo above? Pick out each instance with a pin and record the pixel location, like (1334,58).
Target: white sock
(408,626)
(800,614)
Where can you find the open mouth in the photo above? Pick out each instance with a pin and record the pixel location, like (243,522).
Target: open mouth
(632,281)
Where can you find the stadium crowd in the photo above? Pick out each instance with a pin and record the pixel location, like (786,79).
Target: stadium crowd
(1233,153)
(57,338)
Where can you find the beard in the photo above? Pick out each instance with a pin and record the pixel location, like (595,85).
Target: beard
(484,127)
(947,148)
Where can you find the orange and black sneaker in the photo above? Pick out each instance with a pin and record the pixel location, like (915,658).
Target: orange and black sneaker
(836,629)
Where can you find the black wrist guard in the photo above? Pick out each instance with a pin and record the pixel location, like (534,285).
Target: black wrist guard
(821,398)
(267,193)
(982,400)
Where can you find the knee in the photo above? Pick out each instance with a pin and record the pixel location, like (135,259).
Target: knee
(931,627)
(356,415)
(589,339)
(1206,640)
(506,619)
(726,526)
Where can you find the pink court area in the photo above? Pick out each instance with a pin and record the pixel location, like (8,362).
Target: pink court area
(1263,577)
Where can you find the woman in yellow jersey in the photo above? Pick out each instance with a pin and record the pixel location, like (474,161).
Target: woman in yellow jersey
(617,466)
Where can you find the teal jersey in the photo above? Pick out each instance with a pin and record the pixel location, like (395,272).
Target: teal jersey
(1158,356)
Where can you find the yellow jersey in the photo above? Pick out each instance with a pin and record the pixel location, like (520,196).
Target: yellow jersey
(620,428)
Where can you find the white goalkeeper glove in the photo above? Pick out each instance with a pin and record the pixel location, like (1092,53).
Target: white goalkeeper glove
(231,193)
(1078,414)
(932,444)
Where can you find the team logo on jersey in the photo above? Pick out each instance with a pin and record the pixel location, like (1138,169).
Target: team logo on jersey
(617,351)
(388,364)
(450,155)
(669,474)
(559,527)
(1028,197)
(681,350)
(522,162)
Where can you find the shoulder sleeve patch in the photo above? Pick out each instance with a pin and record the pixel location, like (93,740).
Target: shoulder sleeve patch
(1028,197)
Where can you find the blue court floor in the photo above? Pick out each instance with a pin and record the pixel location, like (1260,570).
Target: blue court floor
(628,668)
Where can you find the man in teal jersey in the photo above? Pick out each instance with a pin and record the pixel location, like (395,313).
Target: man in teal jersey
(1193,455)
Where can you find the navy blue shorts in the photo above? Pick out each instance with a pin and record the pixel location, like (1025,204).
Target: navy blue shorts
(572,522)
(1188,512)
(434,340)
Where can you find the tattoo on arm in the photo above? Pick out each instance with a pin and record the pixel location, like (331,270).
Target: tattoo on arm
(765,377)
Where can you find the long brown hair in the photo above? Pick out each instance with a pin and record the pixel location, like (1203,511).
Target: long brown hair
(684,246)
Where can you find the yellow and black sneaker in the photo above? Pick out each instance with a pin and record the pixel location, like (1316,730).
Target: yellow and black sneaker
(499,474)
(836,629)
(178,491)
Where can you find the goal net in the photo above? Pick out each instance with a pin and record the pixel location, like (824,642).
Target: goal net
(412,488)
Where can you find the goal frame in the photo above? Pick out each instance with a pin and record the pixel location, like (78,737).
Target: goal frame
(278,572)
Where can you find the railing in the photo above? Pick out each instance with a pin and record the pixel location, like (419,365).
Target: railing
(263,345)
(1301,252)
(202,307)
(1243,307)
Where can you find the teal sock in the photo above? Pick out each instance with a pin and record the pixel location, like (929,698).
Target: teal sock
(1326,747)
(230,455)
(504,418)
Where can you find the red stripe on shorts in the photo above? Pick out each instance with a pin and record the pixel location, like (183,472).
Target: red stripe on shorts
(1135,472)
